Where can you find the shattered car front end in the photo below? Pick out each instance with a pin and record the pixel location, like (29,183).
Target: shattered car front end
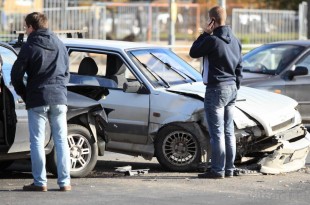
(267,132)
(276,138)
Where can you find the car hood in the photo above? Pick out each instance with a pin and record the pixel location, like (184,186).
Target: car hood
(269,109)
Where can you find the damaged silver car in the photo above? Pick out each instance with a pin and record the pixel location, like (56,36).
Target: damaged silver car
(157,109)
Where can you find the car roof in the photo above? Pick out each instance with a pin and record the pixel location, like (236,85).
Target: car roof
(305,43)
(6,45)
(106,44)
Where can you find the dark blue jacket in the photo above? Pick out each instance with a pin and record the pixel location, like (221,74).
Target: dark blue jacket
(223,51)
(44,59)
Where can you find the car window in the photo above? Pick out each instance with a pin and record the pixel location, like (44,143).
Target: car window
(8,58)
(108,70)
(164,68)
(305,62)
(270,59)
(77,56)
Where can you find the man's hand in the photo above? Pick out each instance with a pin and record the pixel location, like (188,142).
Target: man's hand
(209,27)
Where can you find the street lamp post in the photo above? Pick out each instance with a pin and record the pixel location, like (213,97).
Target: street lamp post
(222,3)
(172,19)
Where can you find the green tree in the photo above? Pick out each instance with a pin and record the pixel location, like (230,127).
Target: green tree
(282,4)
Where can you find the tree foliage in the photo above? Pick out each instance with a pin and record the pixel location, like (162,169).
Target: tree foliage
(282,4)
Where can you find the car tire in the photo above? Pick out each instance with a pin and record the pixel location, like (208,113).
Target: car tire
(177,149)
(5,164)
(83,152)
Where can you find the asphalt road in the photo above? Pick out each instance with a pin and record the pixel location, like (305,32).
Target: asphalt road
(105,186)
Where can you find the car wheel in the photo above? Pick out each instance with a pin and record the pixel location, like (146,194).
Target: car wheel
(177,149)
(5,164)
(83,152)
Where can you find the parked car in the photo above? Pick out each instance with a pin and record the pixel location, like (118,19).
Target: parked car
(157,110)
(86,122)
(281,67)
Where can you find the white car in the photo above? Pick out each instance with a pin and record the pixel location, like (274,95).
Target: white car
(157,109)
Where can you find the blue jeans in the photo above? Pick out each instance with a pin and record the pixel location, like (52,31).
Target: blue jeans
(219,107)
(38,117)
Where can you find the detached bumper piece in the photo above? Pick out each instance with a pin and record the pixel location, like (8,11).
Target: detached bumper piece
(128,171)
(290,156)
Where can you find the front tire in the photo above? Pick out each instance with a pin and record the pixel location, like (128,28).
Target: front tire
(177,149)
(83,152)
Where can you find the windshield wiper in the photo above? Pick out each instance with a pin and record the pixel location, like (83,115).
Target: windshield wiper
(175,70)
(154,74)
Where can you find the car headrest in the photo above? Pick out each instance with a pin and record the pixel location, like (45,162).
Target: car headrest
(88,66)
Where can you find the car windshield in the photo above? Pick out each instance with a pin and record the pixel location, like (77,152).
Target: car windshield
(163,67)
(270,59)
(8,58)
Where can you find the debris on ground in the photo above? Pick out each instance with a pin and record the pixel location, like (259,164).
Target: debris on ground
(128,171)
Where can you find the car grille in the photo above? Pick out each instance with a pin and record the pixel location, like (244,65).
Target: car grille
(283,125)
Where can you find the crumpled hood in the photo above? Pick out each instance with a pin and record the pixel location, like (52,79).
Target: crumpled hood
(42,38)
(269,109)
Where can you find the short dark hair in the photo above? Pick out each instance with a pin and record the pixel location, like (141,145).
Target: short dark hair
(219,14)
(37,20)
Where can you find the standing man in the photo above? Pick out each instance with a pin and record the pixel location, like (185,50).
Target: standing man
(44,59)
(221,52)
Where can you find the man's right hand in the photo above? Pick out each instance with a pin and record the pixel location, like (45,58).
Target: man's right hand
(209,27)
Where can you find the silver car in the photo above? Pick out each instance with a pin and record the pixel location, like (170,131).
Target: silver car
(156,109)
(281,67)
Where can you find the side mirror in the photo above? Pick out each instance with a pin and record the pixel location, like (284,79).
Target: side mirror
(299,70)
(134,87)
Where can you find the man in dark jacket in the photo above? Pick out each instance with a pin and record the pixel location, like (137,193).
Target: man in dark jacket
(221,52)
(44,60)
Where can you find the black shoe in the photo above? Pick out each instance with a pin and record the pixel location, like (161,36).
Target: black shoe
(210,175)
(229,175)
(32,187)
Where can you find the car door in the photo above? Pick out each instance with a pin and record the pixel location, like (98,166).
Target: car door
(128,121)
(298,88)
(14,121)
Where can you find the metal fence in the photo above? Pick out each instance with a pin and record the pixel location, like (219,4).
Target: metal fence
(121,21)
(262,26)
(149,22)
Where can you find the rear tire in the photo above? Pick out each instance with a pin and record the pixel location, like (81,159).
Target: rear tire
(83,152)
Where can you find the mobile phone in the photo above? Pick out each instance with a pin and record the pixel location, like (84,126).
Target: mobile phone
(212,20)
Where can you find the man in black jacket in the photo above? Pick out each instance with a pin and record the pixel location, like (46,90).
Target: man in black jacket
(44,60)
(221,52)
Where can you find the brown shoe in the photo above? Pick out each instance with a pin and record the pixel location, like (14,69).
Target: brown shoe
(32,187)
(65,188)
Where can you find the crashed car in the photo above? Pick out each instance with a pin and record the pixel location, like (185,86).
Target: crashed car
(86,124)
(157,110)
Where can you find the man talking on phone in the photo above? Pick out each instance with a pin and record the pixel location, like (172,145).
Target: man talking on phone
(221,52)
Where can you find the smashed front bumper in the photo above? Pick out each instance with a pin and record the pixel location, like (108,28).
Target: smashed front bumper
(289,156)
